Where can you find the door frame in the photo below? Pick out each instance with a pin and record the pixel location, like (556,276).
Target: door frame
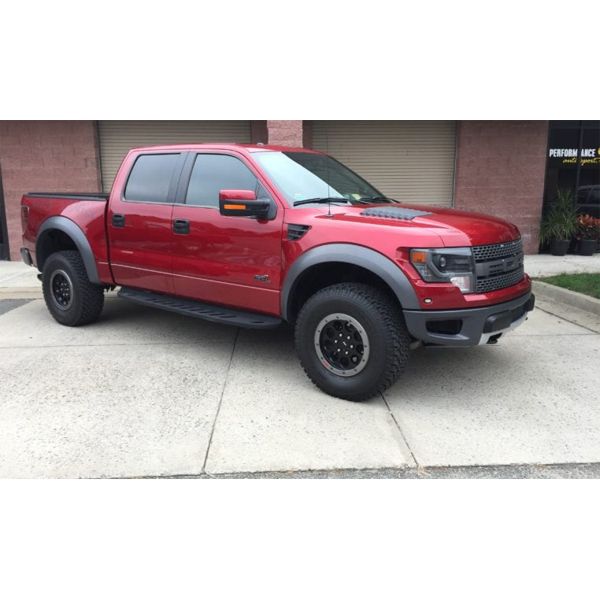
(215,290)
(4,247)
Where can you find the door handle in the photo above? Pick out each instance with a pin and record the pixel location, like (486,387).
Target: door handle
(118,220)
(181,226)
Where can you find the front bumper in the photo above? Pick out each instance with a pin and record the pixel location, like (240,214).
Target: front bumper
(468,327)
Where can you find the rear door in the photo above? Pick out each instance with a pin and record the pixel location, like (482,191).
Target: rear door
(234,261)
(139,222)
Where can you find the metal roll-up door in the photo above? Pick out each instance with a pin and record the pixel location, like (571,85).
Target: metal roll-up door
(412,161)
(118,137)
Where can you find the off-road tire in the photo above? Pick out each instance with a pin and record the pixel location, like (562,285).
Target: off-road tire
(382,320)
(86,298)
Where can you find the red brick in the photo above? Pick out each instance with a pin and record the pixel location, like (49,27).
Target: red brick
(500,167)
(45,156)
(285,133)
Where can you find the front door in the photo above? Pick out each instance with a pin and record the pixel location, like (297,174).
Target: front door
(234,261)
(139,223)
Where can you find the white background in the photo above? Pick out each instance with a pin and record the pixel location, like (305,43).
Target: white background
(299,539)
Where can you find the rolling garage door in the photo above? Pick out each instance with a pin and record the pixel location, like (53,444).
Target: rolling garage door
(411,161)
(118,137)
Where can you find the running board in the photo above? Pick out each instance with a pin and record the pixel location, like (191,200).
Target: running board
(209,312)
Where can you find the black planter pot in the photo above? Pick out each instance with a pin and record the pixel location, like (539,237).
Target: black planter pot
(559,247)
(587,247)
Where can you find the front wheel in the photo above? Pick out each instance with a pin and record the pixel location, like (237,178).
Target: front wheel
(70,296)
(352,341)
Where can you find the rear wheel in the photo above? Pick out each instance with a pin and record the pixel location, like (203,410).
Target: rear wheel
(70,296)
(352,341)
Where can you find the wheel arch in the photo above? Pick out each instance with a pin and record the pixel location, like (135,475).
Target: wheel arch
(354,259)
(59,233)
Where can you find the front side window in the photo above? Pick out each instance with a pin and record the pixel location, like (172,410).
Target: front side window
(215,172)
(304,175)
(150,178)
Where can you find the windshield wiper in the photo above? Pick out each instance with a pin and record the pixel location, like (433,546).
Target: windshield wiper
(319,201)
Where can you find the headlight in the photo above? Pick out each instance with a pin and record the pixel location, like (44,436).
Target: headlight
(445,265)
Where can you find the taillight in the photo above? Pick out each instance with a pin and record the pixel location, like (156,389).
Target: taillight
(24,216)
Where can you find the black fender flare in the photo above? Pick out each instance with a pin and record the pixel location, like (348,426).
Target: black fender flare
(355,255)
(73,230)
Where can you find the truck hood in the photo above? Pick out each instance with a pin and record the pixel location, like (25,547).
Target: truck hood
(453,227)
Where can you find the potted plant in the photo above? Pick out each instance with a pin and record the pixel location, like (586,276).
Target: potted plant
(587,234)
(560,223)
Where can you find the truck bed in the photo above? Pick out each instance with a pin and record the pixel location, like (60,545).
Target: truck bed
(98,197)
(85,211)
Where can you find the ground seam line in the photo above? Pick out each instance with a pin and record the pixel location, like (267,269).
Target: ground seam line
(214,425)
(568,321)
(401,432)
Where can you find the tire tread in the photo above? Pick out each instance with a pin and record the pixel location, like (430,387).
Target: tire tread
(91,301)
(390,313)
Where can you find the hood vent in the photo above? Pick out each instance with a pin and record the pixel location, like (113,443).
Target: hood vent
(394,212)
(295,232)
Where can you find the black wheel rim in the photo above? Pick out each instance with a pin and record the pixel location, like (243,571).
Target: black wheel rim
(61,289)
(342,345)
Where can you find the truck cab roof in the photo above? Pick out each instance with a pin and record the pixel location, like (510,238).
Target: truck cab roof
(225,146)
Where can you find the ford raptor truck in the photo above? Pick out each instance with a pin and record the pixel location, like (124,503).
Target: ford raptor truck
(257,235)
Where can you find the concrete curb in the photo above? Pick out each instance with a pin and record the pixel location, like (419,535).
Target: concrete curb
(32,293)
(516,471)
(553,293)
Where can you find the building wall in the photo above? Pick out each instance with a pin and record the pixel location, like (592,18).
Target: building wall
(259,134)
(500,165)
(500,168)
(45,156)
(285,133)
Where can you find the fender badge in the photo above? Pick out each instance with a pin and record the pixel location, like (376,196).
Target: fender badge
(263,278)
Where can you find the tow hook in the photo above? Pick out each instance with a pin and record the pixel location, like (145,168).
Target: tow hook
(494,339)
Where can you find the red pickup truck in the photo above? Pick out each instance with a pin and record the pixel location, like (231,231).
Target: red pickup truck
(254,235)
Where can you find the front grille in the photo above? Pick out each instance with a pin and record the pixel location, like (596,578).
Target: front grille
(489,284)
(498,266)
(495,251)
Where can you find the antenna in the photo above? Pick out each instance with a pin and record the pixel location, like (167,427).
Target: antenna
(327,175)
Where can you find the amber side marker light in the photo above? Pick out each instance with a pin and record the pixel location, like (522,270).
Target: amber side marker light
(234,206)
(418,256)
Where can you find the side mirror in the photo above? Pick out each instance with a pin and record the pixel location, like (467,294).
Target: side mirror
(243,203)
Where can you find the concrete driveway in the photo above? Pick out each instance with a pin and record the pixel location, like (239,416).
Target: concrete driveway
(148,393)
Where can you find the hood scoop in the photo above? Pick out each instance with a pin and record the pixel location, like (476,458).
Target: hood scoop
(394,212)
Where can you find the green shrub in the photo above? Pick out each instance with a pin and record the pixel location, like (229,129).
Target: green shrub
(560,223)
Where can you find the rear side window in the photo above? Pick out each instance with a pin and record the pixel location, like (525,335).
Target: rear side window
(150,178)
(215,172)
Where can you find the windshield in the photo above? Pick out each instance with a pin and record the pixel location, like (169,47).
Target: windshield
(305,176)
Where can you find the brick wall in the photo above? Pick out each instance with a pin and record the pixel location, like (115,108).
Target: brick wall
(45,156)
(500,167)
(285,133)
